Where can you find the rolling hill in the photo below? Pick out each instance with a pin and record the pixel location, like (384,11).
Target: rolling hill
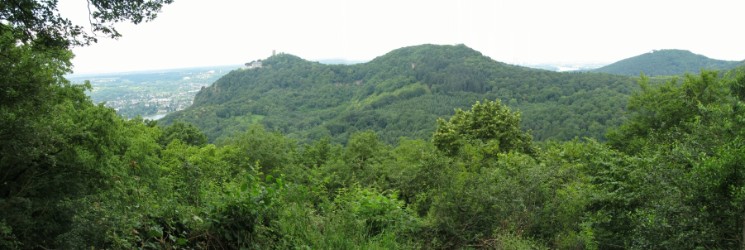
(402,93)
(666,62)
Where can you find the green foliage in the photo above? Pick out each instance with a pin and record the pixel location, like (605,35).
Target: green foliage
(245,219)
(374,213)
(363,149)
(666,62)
(316,154)
(674,109)
(56,145)
(185,132)
(511,241)
(416,171)
(39,22)
(489,123)
(480,183)
(8,240)
(74,175)
(60,154)
(400,94)
(356,218)
(682,132)
(268,150)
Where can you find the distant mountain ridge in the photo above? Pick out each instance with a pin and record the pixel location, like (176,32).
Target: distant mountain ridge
(402,93)
(666,62)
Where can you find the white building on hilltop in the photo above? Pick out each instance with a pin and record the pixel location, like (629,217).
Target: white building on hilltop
(253,64)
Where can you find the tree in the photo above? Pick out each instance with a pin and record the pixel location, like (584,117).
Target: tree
(687,142)
(39,22)
(362,149)
(270,150)
(674,109)
(488,123)
(186,132)
(58,149)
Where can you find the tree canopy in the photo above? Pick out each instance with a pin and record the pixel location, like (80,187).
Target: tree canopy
(59,151)
(486,123)
(74,175)
(40,23)
(400,93)
(666,62)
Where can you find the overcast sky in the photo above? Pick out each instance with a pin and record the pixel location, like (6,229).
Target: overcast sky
(192,33)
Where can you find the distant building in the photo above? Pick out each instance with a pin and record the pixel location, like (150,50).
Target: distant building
(253,64)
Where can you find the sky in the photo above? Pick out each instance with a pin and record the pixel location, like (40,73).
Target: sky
(195,33)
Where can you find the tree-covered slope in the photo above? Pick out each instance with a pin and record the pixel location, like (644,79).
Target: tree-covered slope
(666,62)
(400,94)
(75,175)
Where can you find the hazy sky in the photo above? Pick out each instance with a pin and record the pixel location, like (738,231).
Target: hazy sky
(225,32)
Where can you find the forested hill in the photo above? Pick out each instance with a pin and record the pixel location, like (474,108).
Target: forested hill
(75,175)
(666,62)
(402,93)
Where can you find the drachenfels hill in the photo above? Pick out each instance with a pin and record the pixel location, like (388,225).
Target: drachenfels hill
(401,94)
